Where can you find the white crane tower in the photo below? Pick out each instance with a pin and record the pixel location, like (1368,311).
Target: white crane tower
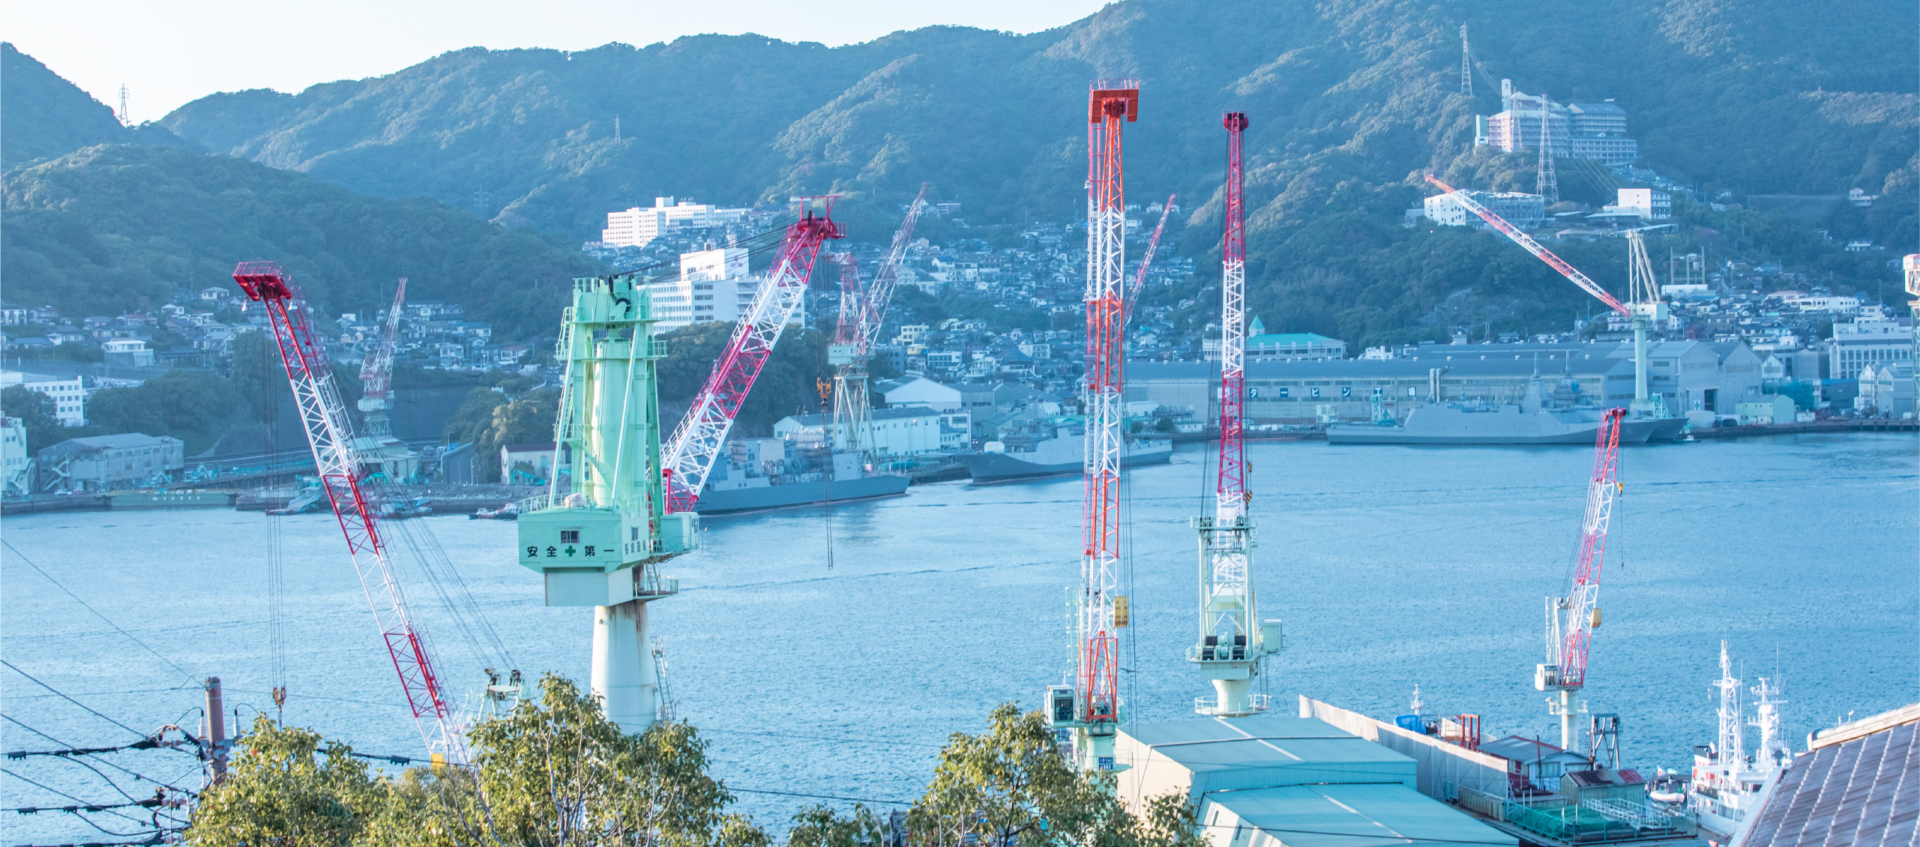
(1230,649)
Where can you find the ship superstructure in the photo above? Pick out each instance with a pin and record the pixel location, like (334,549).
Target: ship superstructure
(1726,782)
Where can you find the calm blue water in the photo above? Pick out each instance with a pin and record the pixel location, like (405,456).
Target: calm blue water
(1392,566)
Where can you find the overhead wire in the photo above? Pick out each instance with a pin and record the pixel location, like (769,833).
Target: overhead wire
(134,774)
(96,613)
(45,787)
(63,696)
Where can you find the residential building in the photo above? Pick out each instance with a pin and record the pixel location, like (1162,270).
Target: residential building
(127,353)
(109,462)
(1768,410)
(1649,204)
(894,432)
(1865,341)
(16,470)
(1886,389)
(637,227)
(12,316)
(1525,211)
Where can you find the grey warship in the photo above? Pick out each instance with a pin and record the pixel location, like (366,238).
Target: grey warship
(1537,419)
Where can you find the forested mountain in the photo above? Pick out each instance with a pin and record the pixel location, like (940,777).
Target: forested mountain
(47,115)
(1346,97)
(114,228)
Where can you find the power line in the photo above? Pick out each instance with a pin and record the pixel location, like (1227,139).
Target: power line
(73,798)
(71,700)
(16,722)
(96,612)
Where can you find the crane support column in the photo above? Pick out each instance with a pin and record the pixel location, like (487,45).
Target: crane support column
(601,544)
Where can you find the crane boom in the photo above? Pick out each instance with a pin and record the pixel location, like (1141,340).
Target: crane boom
(1527,243)
(1572,619)
(880,292)
(376,371)
(690,452)
(330,433)
(1146,260)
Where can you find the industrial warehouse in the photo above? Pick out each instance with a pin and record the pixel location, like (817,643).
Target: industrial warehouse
(1705,380)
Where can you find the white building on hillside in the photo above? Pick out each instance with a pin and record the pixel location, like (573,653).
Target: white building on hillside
(1649,204)
(714,285)
(69,395)
(1525,211)
(636,227)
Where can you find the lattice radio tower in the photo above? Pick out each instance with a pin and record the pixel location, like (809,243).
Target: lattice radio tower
(1549,185)
(1466,64)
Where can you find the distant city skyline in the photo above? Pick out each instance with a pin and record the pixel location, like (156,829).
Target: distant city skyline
(167,57)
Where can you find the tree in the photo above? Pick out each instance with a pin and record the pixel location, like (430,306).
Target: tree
(36,411)
(552,772)
(1010,785)
(288,787)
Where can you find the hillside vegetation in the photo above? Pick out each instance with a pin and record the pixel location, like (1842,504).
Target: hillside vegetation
(114,228)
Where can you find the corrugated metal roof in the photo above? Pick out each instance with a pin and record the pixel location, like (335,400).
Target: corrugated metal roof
(1224,745)
(1353,816)
(1863,793)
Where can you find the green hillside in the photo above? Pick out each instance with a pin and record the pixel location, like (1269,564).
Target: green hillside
(113,228)
(46,115)
(1346,97)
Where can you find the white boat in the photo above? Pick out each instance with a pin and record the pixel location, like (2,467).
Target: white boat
(1726,782)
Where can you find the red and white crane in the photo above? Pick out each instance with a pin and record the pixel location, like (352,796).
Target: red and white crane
(330,432)
(1645,309)
(1230,649)
(862,314)
(688,455)
(1572,619)
(1090,707)
(376,372)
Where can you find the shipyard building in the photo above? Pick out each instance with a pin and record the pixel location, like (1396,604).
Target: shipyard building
(1691,376)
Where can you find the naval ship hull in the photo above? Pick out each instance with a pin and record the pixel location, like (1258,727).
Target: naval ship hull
(814,492)
(1448,426)
(988,468)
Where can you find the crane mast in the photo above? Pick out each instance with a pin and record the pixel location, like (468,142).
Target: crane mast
(601,544)
(861,317)
(330,433)
(1090,708)
(690,452)
(1572,619)
(1646,307)
(376,372)
(1230,649)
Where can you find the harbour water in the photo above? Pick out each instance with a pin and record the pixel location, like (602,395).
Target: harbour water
(1391,565)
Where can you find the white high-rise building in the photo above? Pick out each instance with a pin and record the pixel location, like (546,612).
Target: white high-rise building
(1867,341)
(714,285)
(636,227)
(69,395)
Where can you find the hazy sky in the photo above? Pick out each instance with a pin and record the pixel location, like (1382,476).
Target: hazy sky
(168,53)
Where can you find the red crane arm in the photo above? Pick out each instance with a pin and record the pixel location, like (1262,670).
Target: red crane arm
(330,434)
(1140,278)
(1527,243)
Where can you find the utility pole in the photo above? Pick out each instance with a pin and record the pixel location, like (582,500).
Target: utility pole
(216,732)
(123,106)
